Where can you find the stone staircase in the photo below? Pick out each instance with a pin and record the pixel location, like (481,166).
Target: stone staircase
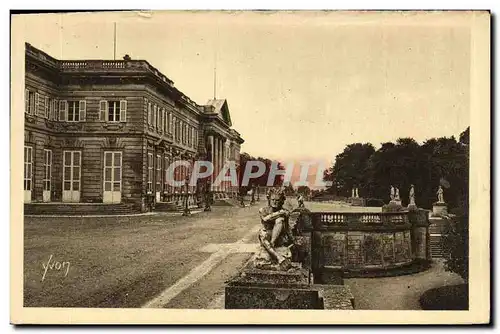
(436,248)
(437,229)
(172,207)
(80,209)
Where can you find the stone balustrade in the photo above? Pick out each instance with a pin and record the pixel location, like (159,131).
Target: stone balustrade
(326,219)
(110,65)
(362,242)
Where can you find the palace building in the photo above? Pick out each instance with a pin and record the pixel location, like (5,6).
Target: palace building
(106,131)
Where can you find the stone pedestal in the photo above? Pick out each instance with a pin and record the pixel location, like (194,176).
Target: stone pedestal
(272,289)
(439,209)
(393,206)
(412,207)
(357,201)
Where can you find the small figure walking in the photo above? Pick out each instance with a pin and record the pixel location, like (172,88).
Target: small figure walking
(300,200)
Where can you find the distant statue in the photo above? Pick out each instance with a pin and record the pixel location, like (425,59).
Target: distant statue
(357,194)
(396,197)
(275,236)
(353,193)
(127,57)
(440,195)
(412,195)
(392,193)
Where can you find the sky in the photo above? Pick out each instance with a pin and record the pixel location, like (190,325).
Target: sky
(299,86)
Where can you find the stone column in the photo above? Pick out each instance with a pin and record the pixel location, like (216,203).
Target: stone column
(211,144)
(221,158)
(217,162)
(224,149)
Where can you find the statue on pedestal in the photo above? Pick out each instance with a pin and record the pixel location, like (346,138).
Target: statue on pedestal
(412,195)
(275,236)
(440,195)
(396,197)
(353,193)
(356,193)
(392,193)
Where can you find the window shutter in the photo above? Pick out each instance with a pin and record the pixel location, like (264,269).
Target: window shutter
(171,124)
(164,121)
(27,101)
(160,120)
(83,110)
(154,116)
(173,128)
(63,110)
(103,111)
(56,105)
(37,103)
(149,114)
(46,107)
(123,111)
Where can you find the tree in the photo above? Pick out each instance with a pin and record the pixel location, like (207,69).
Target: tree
(438,161)
(304,190)
(289,189)
(456,247)
(261,180)
(395,165)
(348,170)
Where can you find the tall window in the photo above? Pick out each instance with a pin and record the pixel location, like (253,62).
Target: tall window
(53,109)
(184,137)
(47,167)
(159,126)
(28,167)
(166,187)
(29,102)
(164,120)
(113,111)
(169,122)
(158,172)
(150,173)
(150,116)
(73,111)
(47,107)
(154,116)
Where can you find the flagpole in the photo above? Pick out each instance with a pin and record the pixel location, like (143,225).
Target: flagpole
(215,81)
(114,42)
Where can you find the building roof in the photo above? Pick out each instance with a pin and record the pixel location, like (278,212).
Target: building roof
(220,107)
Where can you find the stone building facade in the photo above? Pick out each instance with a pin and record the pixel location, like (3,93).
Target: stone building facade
(106,131)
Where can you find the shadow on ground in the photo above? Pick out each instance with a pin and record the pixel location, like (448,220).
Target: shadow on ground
(450,297)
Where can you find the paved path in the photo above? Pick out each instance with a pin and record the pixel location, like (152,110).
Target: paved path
(129,261)
(400,292)
(168,261)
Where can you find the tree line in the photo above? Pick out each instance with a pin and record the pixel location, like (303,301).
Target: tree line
(438,161)
(260,181)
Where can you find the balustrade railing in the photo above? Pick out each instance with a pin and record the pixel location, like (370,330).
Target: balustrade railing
(345,218)
(78,65)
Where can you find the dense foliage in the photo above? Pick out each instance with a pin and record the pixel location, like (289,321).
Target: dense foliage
(438,161)
(261,181)
(456,247)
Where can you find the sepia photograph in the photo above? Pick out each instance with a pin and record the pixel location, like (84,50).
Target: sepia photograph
(178,166)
